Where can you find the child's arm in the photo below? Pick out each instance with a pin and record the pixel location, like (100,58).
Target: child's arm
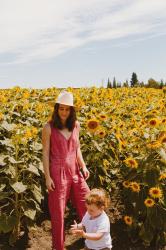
(92,236)
(88,236)
(79,229)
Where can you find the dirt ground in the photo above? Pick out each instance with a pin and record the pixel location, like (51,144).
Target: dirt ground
(39,238)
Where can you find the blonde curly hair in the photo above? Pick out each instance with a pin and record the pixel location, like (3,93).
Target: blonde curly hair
(98,197)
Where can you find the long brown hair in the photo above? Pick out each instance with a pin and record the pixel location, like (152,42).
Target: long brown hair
(70,122)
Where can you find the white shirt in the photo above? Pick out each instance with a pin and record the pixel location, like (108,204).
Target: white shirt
(99,224)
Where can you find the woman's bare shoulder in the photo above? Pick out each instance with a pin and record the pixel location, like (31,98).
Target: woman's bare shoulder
(47,128)
(77,124)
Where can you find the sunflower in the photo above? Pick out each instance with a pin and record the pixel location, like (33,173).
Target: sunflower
(132,131)
(155,192)
(135,186)
(51,104)
(154,122)
(122,142)
(130,162)
(28,133)
(163,121)
(39,107)
(26,95)
(154,145)
(26,106)
(126,184)
(3,99)
(128,220)
(16,89)
(154,112)
(136,111)
(103,117)
(121,125)
(92,125)
(163,139)
(143,122)
(79,104)
(162,176)
(101,133)
(149,202)
(34,132)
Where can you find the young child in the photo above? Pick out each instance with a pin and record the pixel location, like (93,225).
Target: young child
(95,225)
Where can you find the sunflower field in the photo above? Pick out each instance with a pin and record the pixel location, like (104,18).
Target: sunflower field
(123,141)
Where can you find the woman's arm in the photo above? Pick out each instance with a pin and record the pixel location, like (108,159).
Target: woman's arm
(80,159)
(46,133)
(82,163)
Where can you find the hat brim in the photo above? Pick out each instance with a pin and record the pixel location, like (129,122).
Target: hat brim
(67,104)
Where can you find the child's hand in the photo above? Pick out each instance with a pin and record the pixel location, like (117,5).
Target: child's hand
(79,232)
(77,229)
(74,226)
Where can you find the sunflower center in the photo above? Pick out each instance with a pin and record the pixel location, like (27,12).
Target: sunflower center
(92,125)
(131,162)
(155,192)
(152,122)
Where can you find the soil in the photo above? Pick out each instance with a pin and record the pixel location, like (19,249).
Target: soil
(39,238)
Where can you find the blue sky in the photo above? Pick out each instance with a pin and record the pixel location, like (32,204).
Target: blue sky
(46,43)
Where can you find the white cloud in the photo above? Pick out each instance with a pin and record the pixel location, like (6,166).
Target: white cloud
(42,29)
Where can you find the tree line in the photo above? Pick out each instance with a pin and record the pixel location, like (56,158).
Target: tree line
(134,82)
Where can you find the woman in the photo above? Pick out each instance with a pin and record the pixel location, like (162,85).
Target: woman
(62,160)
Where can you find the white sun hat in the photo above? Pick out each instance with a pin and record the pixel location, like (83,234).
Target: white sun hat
(65,98)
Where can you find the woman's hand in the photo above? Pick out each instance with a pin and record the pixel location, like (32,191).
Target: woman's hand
(50,184)
(86,172)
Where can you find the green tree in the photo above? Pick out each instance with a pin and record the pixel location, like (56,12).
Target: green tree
(126,84)
(109,85)
(141,84)
(114,83)
(161,84)
(153,83)
(119,85)
(134,80)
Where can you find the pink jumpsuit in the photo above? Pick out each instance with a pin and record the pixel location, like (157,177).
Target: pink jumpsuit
(69,182)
